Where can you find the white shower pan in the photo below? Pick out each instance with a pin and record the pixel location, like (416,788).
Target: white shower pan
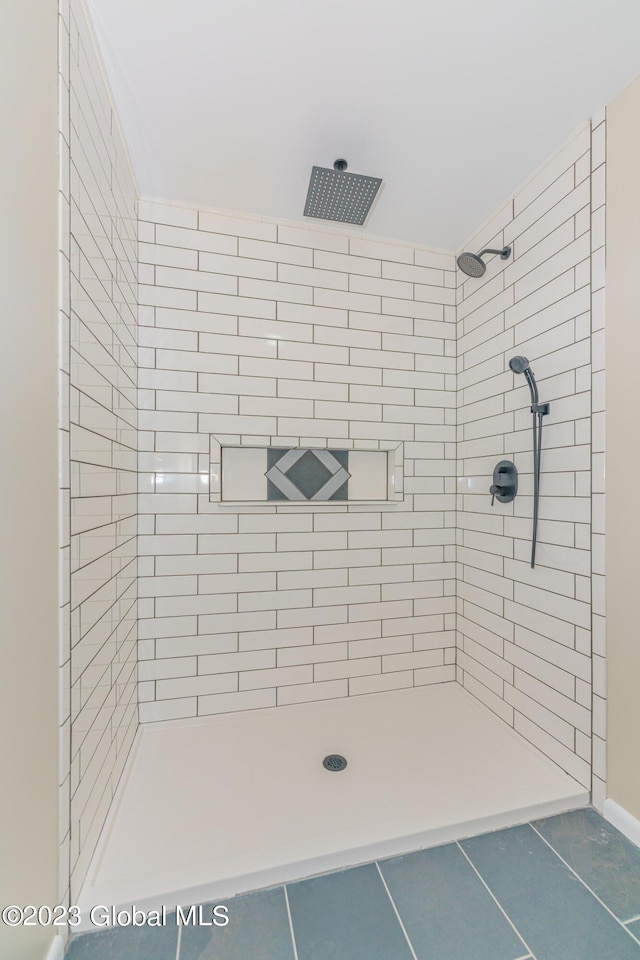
(220,805)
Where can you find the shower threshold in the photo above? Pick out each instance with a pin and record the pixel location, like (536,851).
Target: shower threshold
(220,805)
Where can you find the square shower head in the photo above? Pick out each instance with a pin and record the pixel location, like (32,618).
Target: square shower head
(338,195)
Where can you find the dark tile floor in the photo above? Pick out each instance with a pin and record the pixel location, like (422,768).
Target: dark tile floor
(563,888)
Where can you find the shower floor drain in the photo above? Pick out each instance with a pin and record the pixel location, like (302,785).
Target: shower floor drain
(334,762)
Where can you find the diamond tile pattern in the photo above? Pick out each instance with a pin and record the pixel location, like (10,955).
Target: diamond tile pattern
(307,474)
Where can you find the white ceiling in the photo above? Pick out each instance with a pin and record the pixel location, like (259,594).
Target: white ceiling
(228,103)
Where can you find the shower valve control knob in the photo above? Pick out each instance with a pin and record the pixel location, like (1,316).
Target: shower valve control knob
(494,488)
(505,482)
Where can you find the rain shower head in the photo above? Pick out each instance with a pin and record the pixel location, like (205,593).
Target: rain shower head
(474,266)
(338,195)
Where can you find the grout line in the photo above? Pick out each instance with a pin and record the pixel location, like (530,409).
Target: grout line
(584,883)
(67,666)
(395,910)
(178,944)
(591,485)
(496,901)
(291,930)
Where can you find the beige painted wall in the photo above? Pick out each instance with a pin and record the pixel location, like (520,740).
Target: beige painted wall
(29,467)
(623,448)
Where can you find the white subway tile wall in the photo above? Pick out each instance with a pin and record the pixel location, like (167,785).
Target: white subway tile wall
(599,703)
(263,333)
(524,636)
(98,448)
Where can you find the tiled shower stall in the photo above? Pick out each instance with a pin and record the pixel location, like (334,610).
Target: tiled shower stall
(181,324)
(320,340)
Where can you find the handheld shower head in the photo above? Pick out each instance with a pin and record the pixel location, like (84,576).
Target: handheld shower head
(519,364)
(474,266)
(539,410)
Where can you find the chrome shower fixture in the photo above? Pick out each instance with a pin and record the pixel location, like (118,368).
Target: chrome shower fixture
(474,266)
(539,410)
(338,195)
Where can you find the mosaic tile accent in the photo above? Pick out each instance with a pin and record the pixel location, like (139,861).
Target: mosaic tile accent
(307,474)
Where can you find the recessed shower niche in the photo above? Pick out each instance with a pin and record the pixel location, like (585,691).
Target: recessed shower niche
(278,474)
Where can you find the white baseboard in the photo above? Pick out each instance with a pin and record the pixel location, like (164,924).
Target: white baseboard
(56,950)
(624,821)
